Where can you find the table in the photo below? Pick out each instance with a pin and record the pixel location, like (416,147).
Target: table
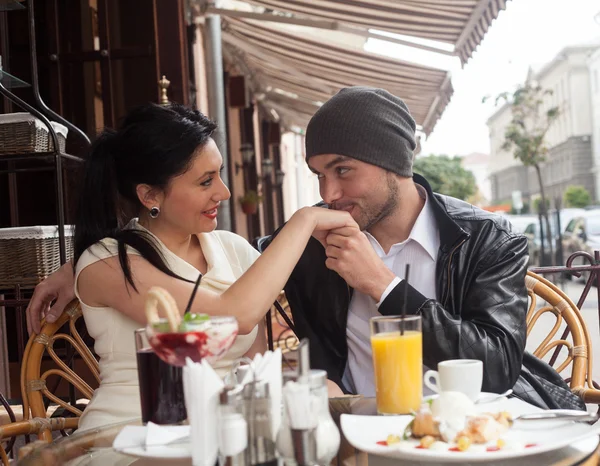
(94,447)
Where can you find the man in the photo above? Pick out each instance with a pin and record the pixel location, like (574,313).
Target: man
(467,275)
(467,279)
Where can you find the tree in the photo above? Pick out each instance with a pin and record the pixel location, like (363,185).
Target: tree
(537,205)
(446,175)
(577,196)
(525,136)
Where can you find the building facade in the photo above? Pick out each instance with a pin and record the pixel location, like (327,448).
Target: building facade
(570,160)
(594,69)
(478,164)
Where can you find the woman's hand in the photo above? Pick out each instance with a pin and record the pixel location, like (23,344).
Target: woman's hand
(327,219)
(57,288)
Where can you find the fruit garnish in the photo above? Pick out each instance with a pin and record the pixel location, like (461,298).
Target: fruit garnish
(193,321)
(161,326)
(427,441)
(392,439)
(463,443)
(156,297)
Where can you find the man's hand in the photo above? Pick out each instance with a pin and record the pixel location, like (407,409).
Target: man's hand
(58,287)
(350,254)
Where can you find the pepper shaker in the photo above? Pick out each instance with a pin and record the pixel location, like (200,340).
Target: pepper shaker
(257,411)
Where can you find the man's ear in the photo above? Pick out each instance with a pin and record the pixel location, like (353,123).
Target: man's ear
(149,197)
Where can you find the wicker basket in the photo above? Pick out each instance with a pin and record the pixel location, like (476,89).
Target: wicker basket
(23,133)
(29,254)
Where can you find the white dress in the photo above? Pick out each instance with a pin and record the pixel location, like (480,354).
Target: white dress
(117,399)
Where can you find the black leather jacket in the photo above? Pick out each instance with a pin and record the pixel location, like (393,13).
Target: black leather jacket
(480,314)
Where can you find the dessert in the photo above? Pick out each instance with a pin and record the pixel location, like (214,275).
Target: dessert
(451,422)
(195,336)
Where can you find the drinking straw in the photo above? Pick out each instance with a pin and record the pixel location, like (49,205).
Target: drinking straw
(406,273)
(304,358)
(189,304)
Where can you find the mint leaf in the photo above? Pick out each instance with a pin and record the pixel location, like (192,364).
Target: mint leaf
(408,430)
(196,318)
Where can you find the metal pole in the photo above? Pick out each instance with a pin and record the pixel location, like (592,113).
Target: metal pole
(216,102)
(300,163)
(51,114)
(560,258)
(543,260)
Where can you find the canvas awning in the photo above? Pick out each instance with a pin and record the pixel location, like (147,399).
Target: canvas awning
(461,23)
(293,74)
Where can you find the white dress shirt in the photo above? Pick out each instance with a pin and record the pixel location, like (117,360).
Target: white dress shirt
(419,250)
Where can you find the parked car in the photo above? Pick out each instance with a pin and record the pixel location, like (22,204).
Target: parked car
(530,225)
(534,238)
(521,222)
(582,234)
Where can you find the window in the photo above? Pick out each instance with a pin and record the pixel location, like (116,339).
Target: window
(593,225)
(571,226)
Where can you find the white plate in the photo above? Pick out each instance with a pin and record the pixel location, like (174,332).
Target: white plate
(363,433)
(131,439)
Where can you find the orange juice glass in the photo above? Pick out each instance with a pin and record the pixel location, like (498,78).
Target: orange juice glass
(397,344)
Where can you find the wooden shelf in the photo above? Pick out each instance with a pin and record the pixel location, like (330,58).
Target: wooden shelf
(39,156)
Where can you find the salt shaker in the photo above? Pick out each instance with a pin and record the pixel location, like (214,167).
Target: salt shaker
(233,429)
(312,446)
(257,411)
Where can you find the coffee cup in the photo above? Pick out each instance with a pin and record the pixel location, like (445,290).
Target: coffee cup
(457,375)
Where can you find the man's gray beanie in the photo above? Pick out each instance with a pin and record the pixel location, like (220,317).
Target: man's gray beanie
(366,124)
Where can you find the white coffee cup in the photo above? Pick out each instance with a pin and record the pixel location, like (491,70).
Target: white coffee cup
(457,375)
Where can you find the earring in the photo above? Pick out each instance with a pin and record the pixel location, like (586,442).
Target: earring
(154,212)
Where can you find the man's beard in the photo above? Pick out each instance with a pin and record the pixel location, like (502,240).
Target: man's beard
(372,215)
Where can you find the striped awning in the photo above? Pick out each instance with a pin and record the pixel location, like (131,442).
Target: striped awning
(293,74)
(461,23)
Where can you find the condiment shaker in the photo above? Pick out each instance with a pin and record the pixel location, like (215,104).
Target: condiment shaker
(257,411)
(233,429)
(311,446)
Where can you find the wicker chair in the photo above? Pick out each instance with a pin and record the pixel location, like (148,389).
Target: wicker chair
(579,348)
(33,382)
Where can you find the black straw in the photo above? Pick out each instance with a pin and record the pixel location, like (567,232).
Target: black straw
(189,304)
(406,274)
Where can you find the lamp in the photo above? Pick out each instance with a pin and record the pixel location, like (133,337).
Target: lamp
(279,175)
(267,167)
(247,152)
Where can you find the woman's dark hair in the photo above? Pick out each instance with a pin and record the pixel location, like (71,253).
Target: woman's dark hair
(153,144)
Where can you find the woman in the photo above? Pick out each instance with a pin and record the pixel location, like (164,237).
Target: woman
(163,167)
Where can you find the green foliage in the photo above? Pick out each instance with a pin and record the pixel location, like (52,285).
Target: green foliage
(446,175)
(537,203)
(577,196)
(525,135)
(250,197)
